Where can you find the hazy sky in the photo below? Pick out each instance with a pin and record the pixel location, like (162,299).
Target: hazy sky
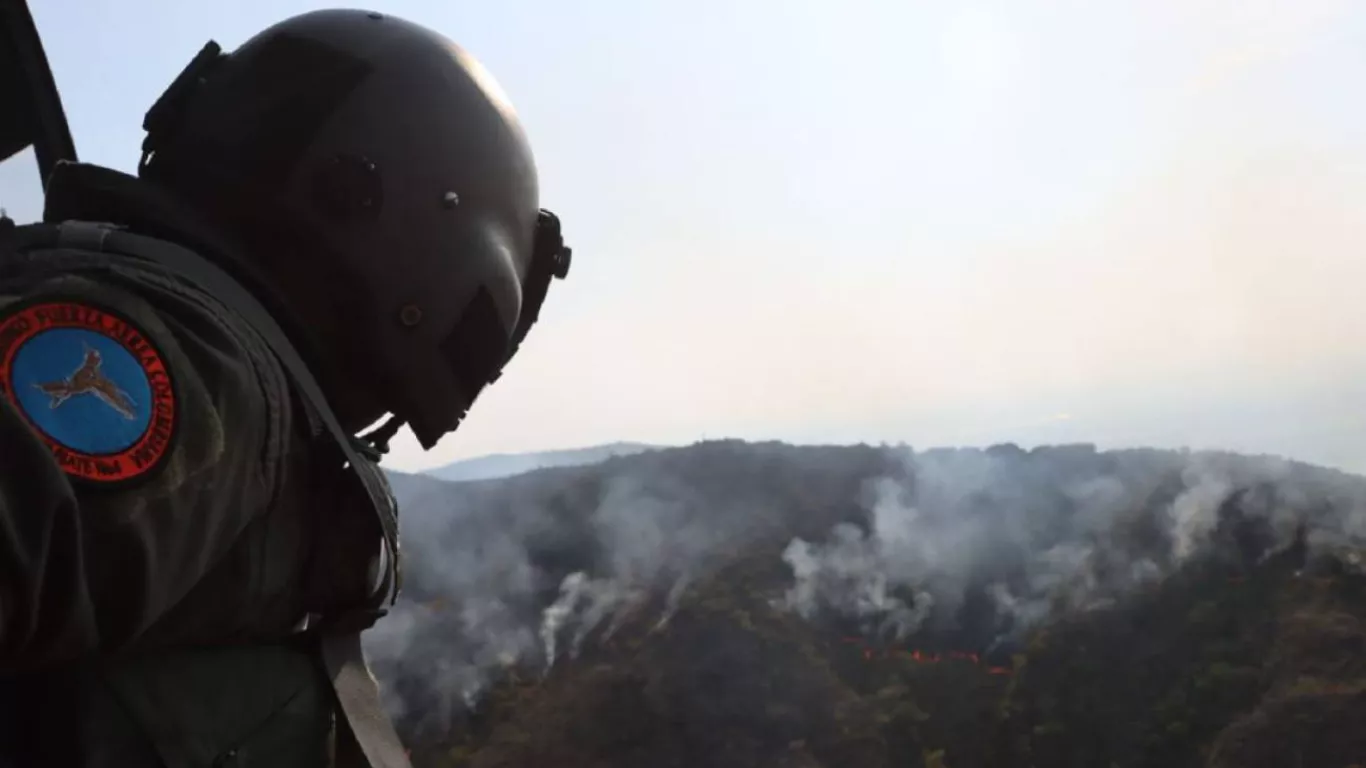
(1126,222)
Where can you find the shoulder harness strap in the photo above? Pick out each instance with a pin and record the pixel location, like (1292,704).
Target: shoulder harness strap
(368,737)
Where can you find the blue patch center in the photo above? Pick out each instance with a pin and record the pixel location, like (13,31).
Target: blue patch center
(84,389)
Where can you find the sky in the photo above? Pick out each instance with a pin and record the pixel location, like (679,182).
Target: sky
(1131,222)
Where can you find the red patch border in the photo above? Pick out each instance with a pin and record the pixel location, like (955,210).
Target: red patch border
(20,324)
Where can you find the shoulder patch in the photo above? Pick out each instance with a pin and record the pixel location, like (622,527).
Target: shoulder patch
(92,385)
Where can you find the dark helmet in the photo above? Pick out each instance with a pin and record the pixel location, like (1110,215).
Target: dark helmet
(399,160)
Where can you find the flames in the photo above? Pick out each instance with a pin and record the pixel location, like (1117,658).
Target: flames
(924,657)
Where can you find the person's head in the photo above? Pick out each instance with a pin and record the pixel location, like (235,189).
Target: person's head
(382,183)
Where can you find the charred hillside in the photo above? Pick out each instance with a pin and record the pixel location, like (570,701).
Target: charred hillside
(734,604)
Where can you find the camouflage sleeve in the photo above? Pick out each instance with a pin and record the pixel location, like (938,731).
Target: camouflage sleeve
(132,440)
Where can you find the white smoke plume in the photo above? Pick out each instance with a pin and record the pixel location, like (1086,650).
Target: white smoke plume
(851,571)
(582,605)
(1072,532)
(497,578)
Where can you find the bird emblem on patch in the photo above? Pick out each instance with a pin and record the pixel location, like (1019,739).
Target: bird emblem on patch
(92,385)
(89,380)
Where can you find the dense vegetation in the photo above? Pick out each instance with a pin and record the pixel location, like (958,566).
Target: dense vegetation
(734,604)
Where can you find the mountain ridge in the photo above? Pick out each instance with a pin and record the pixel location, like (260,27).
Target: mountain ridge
(760,604)
(499,465)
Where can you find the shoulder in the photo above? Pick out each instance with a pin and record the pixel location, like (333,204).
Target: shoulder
(134,378)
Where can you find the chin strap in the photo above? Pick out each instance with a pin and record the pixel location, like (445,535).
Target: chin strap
(375,443)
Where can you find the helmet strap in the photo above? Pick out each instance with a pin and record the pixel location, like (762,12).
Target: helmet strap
(376,441)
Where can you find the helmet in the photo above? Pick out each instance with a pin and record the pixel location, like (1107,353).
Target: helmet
(398,160)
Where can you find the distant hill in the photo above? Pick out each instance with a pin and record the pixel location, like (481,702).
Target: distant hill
(508,464)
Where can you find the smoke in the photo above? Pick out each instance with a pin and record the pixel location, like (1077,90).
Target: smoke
(582,605)
(524,573)
(967,545)
(852,572)
(1057,530)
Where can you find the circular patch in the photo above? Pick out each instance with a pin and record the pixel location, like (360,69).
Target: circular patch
(92,385)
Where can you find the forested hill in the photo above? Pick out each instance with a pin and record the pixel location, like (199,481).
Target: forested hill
(734,604)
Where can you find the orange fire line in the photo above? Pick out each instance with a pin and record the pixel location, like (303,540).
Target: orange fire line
(923,657)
